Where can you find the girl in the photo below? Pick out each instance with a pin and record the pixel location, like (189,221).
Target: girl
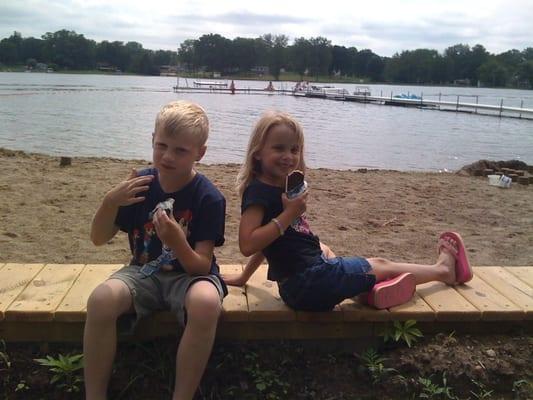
(309,275)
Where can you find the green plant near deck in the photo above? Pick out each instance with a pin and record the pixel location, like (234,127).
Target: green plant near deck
(267,382)
(522,386)
(431,390)
(374,364)
(5,362)
(65,371)
(406,332)
(481,392)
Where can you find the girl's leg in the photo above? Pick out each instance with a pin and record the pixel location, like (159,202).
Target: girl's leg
(443,270)
(105,304)
(203,307)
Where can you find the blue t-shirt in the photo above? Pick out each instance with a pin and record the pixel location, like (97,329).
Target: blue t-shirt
(199,208)
(297,249)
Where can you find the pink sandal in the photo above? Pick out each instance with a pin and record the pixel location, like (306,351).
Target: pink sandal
(463,270)
(392,292)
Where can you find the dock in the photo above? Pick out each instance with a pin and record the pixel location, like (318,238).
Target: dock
(342,95)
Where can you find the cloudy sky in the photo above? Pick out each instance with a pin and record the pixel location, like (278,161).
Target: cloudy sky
(384,26)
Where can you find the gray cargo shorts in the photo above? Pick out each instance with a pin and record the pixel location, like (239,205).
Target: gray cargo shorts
(163,290)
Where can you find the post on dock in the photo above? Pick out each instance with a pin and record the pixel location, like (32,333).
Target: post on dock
(457,105)
(521,106)
(501,106)
(440,94)
(477,101)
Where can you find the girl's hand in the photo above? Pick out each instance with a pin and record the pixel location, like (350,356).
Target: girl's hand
(167,228)
(125,193)
(328,253)
(295,206)
(234,279)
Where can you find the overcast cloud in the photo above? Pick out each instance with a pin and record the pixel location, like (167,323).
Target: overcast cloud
(385,27)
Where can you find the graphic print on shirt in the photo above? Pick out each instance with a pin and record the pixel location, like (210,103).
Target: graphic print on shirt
(301,225)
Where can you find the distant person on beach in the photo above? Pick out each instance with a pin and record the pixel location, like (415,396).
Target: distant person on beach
(270,87)
(232,87)
(174,217)
(309,275)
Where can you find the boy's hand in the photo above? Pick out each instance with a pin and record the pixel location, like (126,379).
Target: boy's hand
(125,193)
(167,228)
(233,279)
(295,206)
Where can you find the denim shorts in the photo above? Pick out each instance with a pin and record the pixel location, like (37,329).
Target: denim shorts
(327,283)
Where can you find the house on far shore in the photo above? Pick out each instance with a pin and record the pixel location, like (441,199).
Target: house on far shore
(260,69)
(105,67)
(168,70)
(461,82)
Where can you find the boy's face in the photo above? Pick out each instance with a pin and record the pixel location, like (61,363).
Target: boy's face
(174,156)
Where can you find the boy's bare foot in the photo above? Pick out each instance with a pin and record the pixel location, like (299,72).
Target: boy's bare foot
(447,260)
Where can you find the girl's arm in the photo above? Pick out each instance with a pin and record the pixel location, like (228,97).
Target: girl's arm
(254,238)
(251,266)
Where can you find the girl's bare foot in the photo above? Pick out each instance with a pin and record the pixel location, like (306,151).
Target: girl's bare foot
(446,260)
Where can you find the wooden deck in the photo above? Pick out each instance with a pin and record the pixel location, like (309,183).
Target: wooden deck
(47,302)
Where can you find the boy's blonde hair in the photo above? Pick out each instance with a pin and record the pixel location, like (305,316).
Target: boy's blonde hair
(251,166)
(183,118)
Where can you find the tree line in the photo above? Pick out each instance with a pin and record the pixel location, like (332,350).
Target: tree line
(310,58)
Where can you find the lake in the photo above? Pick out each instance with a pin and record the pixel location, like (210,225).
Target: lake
(113,116)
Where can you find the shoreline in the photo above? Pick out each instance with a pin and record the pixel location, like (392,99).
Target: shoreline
(46,212)
(23,153)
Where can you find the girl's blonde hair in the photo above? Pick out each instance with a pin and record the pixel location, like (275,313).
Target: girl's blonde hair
(251,166)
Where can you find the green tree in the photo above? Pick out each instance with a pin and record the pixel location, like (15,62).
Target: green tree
(300,53)
(213,51)
(493,73)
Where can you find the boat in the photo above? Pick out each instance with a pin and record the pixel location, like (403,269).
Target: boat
(209,84)
(326,92)
(408,96)
(362,91)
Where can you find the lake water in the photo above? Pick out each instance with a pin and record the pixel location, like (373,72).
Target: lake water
(113,116)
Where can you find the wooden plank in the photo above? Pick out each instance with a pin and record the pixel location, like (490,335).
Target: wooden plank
(523,273)
(354,310)
(447,303)
(235,304)
(264,302)
(13,280)
(39,300)
(508,285)
(73,307)
(493,305)
(416,309)
(334,315)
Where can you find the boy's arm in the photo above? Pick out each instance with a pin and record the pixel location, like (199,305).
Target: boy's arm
(103,226)
(251,266)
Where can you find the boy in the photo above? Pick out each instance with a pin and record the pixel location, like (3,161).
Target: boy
(173,265)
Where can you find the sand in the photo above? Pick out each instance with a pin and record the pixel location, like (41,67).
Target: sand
(46,212)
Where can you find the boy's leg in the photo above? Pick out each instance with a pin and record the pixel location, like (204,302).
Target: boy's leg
(105,304)
(203,306)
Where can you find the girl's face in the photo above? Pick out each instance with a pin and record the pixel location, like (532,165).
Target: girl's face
(280,154)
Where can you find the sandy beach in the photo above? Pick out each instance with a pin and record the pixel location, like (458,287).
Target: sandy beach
(46,211)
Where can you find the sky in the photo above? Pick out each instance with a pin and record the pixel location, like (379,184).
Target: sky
(384,26)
